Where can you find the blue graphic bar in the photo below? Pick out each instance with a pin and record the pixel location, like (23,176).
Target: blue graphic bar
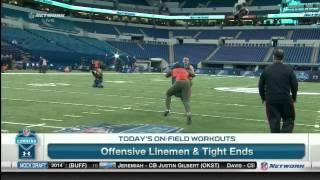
(176,151)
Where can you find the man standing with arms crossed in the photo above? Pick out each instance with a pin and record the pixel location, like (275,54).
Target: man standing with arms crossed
(275,85)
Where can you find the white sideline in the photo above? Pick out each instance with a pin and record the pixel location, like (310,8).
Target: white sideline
(90,113)
(106,110)
(36,125)
(49,119)
(32,125)
(73,116)
(145,110)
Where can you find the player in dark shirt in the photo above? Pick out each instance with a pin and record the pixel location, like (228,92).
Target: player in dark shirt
(278,88)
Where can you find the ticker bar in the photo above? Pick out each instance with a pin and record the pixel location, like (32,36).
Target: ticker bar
(186,165)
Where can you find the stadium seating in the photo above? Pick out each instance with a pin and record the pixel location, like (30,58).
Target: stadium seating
(69,43)
(219,3)
(262,34)
(211,3)
(46,23)
(101,45)
(128,29)
(14,13)
(38,46)
(9,49)
(144,51)
(27,40)
(216,34)
(57,24)
(297,54)
(306,34)
(194,4)
(244,54)
(185,33)
(96,27)
(136,2)
(196,52)
(157,33)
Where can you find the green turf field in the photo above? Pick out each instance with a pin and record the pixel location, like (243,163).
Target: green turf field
(135,99)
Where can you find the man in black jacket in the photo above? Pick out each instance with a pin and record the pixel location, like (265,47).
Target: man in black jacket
(275,85)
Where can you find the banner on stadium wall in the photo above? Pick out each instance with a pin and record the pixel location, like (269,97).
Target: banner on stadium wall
(127,13)
(294,15)
(167,17)
(308,76)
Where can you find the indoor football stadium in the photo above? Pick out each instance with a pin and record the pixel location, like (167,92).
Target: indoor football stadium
(99,66)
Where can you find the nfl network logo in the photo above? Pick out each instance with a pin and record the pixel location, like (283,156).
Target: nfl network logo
(264,166)
(26,140)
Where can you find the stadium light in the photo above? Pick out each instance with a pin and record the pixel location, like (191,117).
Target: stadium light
(116,55)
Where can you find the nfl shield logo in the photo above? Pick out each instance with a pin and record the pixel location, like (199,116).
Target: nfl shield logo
(26,132)
(264,166)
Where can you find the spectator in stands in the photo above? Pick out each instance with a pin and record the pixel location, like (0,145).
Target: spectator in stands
(275,85)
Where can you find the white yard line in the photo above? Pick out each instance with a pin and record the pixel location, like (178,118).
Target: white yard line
(149,98)
(111,110)
(36,125)
(133,129)
(146,110)
(90,113)
(73,116)
(49,119)
(31,125)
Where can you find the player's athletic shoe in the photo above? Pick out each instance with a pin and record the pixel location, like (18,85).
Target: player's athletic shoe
(189,121)
(166,113)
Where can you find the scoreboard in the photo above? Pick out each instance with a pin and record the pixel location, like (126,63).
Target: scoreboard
(28,151)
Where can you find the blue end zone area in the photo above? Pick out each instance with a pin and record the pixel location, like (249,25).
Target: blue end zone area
(122,128)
